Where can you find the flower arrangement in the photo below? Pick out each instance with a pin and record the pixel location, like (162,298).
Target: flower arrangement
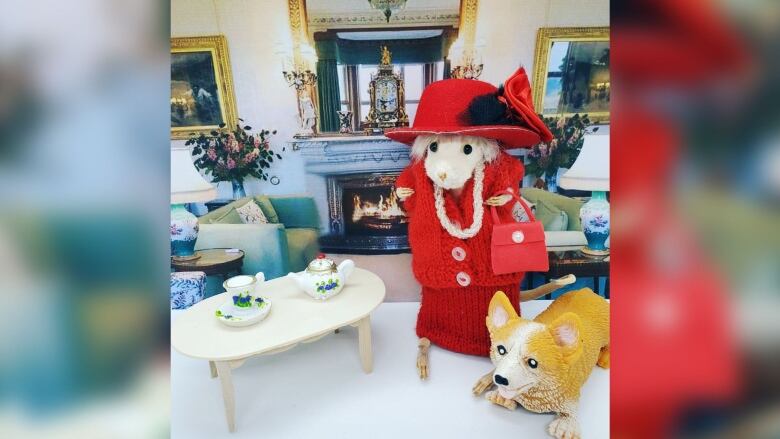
(233,155)
(562,151)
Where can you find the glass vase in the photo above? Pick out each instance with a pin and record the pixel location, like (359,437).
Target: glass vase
(551,180)
(238,189)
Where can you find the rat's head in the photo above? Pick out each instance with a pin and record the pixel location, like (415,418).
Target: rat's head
(450,160)
(526,353)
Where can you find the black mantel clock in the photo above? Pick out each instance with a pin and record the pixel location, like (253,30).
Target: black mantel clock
(386,98)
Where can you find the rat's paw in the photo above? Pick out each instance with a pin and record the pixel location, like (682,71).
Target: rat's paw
(484,383)
(404,192)
(495,398)
(564,427)
(499,200)
(422,358)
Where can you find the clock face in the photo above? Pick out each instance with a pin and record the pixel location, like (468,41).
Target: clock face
(386,96)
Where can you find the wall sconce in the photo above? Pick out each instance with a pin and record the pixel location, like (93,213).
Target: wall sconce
(466,62)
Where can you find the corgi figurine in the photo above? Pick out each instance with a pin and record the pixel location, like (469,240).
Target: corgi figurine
(542,363)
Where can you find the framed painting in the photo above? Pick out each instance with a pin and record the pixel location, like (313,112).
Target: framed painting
(202,95)
(571,72)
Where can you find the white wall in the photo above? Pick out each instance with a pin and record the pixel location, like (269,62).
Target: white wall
(508,30)
(507,27)
(264,99)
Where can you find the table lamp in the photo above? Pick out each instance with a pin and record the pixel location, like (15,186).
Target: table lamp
(187,186)
(590,172)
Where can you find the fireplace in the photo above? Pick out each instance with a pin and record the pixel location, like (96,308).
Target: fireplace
(366,216)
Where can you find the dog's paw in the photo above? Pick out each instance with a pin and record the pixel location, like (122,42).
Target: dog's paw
(483,384)
(495,398)
(564,427)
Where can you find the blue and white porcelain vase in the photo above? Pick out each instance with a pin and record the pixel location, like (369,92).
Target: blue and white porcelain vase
(184,232)
(238,189)
(595,223)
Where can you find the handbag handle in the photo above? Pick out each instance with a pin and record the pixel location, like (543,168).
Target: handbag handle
(517,198)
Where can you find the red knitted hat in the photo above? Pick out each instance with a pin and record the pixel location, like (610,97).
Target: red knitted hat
(475,108)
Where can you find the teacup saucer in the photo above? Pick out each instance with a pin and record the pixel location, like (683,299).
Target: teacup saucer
(232,315)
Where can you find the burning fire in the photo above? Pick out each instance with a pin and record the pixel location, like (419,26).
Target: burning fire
(386,208)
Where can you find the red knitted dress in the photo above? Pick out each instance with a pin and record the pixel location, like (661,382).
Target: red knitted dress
(456,275)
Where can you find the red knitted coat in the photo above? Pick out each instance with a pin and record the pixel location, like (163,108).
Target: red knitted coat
(456,274)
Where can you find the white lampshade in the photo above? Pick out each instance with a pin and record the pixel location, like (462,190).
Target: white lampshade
(590,172)
(187,185)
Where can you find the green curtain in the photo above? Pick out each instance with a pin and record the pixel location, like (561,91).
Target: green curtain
(328,86)
(419,50)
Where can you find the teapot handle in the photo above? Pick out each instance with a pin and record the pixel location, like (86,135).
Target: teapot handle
(346,267)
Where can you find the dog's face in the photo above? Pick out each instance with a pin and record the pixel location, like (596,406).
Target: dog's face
(450,160)
(527,353)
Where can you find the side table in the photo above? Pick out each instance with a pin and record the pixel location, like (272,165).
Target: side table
(581,265)
(213,261)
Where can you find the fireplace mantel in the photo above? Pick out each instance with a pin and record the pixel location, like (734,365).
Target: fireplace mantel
(351,154)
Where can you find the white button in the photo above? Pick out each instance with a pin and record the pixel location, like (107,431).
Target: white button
(463,279)
(517,236)
(458,254)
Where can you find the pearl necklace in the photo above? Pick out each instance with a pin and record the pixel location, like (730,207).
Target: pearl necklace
(476,225)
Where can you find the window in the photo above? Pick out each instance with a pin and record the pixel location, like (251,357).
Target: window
(414,82)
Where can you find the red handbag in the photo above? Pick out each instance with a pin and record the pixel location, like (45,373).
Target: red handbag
(518,247)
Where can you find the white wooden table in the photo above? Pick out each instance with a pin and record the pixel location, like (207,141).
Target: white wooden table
(318,392)
(294,318)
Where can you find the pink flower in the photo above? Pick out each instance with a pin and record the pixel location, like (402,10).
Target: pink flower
(231,163)
(266,145)
(257,142)
(212,153)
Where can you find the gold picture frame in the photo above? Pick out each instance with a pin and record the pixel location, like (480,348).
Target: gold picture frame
(545,38)
(201,97)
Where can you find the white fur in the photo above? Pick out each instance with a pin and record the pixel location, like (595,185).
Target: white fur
(512,365)
(449,167)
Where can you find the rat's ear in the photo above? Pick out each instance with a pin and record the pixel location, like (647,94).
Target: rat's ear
(565,331)
(500,311)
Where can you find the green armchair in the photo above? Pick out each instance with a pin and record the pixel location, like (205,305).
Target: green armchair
(287,243)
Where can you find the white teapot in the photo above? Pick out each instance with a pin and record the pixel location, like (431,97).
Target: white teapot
(323,279)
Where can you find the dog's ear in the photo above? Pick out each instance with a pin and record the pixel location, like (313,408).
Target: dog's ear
(500,311)
(565,331)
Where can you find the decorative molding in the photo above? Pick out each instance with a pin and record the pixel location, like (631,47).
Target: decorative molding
(350,154)
(406,17)
(468,22)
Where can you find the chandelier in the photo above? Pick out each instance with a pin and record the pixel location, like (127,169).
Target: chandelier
(387,6)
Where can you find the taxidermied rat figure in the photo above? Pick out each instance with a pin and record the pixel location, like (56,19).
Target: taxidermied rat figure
(450,162)
(458,167)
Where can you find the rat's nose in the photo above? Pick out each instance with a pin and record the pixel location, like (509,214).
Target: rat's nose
(442,176)
(500,380)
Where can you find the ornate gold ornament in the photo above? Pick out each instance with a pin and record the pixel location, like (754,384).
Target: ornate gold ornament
(387,107)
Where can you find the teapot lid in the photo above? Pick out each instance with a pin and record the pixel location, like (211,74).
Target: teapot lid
(322,265)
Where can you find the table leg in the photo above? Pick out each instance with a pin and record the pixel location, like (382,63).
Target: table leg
(364,342)
(213,369)
(223,369)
